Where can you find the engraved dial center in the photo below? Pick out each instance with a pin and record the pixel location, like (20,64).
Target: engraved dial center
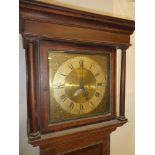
(80,87)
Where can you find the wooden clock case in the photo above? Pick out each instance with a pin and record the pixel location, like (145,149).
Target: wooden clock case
(44,26)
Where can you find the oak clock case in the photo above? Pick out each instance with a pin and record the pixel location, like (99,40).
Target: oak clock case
(71,77)
(80,85)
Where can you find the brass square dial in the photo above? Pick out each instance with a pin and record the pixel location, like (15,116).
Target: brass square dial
(79,85)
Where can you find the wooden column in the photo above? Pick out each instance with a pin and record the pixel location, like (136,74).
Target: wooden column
(31,96)
(122,86)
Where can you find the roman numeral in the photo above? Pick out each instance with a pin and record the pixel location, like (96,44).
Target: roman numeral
(70,66)
(90,67)
(97,94)
(97,74)
(59,86)
(81,63)
(63,74)
(71,105)
(63,97)
(92,104)
(99,84)
(81,108)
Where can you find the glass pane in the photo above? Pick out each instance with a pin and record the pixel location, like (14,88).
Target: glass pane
(79,85)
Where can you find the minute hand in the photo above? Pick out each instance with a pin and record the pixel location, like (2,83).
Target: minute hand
(85,93)
(81,79)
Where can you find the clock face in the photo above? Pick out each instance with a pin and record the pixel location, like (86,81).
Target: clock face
(78,85)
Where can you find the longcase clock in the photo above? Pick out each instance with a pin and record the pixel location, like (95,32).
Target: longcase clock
(71,77)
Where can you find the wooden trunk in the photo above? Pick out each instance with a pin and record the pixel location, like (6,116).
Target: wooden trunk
(99,148)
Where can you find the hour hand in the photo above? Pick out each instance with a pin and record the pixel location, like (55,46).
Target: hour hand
(78,92)
(81,78)
(85,93)
(81,83)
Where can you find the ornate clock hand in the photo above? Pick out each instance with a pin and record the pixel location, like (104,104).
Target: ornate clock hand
(85,93)
(78,92)
(81,83)
(81,78)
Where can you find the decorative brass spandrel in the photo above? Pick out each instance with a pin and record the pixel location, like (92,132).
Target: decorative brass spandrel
(78,84)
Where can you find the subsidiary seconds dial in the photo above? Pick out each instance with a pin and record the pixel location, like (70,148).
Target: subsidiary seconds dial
(79,85)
